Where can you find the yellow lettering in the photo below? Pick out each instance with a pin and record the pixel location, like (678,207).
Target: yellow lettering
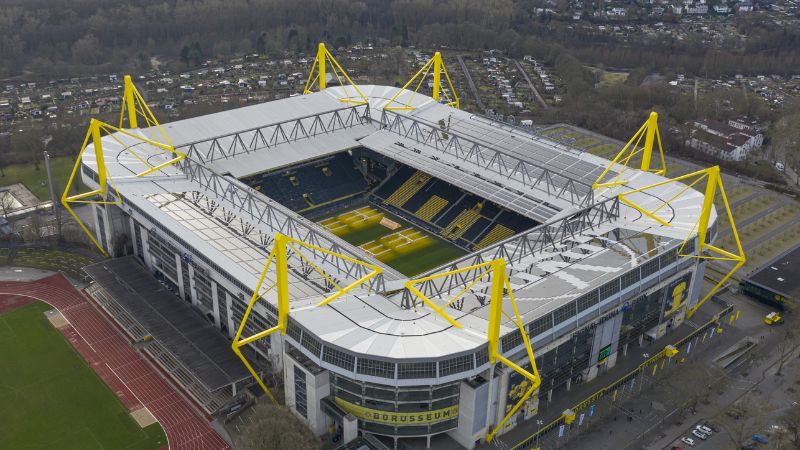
(396,418)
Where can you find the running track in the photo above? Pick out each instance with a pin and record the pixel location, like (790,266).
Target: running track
(125,370)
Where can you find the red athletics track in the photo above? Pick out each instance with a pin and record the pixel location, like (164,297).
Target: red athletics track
(125,370)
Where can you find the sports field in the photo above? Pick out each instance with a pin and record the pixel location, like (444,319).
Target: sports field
(392,240)
(50,398)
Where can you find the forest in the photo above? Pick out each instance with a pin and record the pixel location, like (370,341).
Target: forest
(57,38)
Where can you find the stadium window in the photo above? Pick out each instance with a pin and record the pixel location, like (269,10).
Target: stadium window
(649,268)
(300,398)
(456,365)
(375,368)
(688,249)
(609,289)
(587,300)
(564,312)
(375,392)
(416,370)
(482,356)
(311,344)
(540,325)
(668,258)
(351,386)
(630,278)
(511,341)
(446,391)
(293,331)
(338,358)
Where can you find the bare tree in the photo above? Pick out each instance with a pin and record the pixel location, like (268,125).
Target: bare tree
(36,229)
(747,416)
(792,423)
(6,203)
(274,427)
(787,345)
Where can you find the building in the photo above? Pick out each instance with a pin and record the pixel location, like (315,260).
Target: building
(776,283)
(593,278)
(731,141)
(697,8)
(745,6)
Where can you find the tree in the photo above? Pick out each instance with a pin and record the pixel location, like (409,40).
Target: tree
(792,423)
(6,203)
(274,427)
(86,50)
(787,345)
(261,44)
(747,416)
(185,54)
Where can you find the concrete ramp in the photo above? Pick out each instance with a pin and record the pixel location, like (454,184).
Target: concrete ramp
(735,352)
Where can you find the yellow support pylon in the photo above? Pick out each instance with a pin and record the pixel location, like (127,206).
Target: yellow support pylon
(280,258)
(134,105)
(318,73)
(705,250)
(436,64)
(648,131)
(500,285)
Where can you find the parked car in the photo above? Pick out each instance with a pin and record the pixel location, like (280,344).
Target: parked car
(688,441)
(707,431)
(699,434)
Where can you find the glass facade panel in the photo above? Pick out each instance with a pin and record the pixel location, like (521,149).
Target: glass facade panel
(300,398)
(338,358)
(407,371)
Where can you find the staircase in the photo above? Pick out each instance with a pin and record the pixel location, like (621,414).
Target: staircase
(407,190)
(431,208)
(497,234)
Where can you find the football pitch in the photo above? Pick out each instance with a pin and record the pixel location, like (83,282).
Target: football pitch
(50,398)
(392,240)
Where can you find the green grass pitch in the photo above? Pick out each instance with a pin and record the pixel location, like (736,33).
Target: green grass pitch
(50,398)
(434,253)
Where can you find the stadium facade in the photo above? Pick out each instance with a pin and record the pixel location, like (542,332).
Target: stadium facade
(592,276)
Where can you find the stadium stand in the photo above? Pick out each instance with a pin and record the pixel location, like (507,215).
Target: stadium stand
(407,190)
(431,208)
(313,184)
(496,234)
(324,186)
(460,217)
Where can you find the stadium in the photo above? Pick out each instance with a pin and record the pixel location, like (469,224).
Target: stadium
(407,268)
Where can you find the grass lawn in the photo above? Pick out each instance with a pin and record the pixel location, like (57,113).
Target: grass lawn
(54,260)
(607,151)
(613,78)
(36,180)
(50,398)
(586,142)
(435,252)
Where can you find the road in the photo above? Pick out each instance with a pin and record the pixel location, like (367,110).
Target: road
(471,83)
(533,88)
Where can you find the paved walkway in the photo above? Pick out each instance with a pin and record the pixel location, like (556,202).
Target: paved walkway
(530,83)
(471,84)
(125,371)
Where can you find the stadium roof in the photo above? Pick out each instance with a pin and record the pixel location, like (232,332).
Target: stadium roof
(780,274)
(586,238)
